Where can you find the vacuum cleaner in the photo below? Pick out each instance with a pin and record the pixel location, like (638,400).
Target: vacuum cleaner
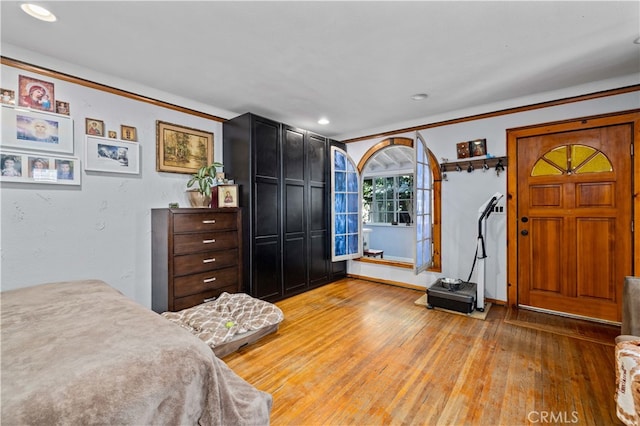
(465,296)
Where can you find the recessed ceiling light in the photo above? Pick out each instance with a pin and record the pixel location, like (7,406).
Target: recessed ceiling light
(38,12)
(419,96)
(323,121)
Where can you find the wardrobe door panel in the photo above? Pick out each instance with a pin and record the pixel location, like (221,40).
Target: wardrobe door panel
(295,265)
(266,208)
(319,264)
(317,152)
(266,140)
(317,214)
(294,209)
(293,154)
(266,270)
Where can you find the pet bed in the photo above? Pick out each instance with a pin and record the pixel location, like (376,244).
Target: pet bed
(229,322)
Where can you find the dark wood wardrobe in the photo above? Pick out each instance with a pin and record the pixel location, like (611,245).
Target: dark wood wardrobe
(283,173)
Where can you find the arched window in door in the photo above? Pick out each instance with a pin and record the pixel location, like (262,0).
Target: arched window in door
(571,159)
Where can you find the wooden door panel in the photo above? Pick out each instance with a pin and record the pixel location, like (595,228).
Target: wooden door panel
(545,196)
(546,248)
(595,194)
(576,246)
(595,263)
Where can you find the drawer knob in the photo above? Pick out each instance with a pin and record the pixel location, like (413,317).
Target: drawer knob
(208,241)
(209,280)
(213,259)
(209,221)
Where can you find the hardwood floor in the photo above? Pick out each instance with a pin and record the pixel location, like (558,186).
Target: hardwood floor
(360,353)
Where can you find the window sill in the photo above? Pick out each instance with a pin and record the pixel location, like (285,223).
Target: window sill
(388,225)
(395,263)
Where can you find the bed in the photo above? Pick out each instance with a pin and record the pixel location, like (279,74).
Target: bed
(82,353)
(229,322)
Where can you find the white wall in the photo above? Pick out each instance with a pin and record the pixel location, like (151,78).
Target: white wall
(463,193)
(100,229)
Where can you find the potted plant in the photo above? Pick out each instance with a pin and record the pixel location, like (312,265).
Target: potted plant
(204,180)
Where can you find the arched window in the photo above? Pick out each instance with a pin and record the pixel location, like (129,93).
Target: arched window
(571,159)
(430,218)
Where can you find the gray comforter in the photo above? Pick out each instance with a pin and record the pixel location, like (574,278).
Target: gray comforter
(82,353)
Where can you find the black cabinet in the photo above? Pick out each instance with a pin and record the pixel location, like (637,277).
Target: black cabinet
(284,188)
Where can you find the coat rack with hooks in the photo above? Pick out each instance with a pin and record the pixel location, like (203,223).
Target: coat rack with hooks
(496,164)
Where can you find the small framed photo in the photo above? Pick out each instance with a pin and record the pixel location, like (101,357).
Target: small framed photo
(62,107)
(113,134)
(36,94)
(462,149)
(478,147)
(111,155)
(7,96)
(227,195)
(128,133)
(94,127)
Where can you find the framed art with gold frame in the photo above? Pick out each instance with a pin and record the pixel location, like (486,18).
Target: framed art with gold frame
(128,133)
(227,195)
(182,149)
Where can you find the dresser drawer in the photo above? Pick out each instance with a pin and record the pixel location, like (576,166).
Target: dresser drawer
(197,283)
(181,303)
(206,261)
(205,221)
(209,241)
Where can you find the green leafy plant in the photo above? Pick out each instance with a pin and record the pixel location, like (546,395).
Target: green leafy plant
(204,178)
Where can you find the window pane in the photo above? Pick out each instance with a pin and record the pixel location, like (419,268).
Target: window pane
(341,224)
(340,245)
(352,223)
(340,181)
(352,203)
(340,203)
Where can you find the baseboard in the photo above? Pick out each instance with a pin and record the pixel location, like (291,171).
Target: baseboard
(388,282)
(414,287)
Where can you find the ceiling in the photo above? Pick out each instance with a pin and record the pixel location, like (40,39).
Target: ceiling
(356,63)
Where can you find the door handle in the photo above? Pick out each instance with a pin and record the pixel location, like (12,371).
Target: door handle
(524,232)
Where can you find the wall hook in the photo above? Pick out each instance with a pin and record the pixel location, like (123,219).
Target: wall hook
(458,168)
(499,167)
(470,168)
(485,166)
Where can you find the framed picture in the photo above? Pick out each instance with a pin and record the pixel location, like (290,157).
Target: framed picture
(24,129)
(7,96)
(128,133)
(227,195)
(111,155)
(113,134)
(182,149)
(62,107)
(478,147)
(29,167)
(36,94)
(462,149)
(94,127)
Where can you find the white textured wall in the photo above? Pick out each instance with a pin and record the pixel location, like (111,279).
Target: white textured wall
(463,193)
(100,229)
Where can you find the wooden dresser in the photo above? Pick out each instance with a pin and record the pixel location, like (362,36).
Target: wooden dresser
(196,255)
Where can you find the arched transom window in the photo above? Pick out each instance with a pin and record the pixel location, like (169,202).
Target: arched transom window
(571,159)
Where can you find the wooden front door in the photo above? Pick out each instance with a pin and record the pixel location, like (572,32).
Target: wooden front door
(574,213)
